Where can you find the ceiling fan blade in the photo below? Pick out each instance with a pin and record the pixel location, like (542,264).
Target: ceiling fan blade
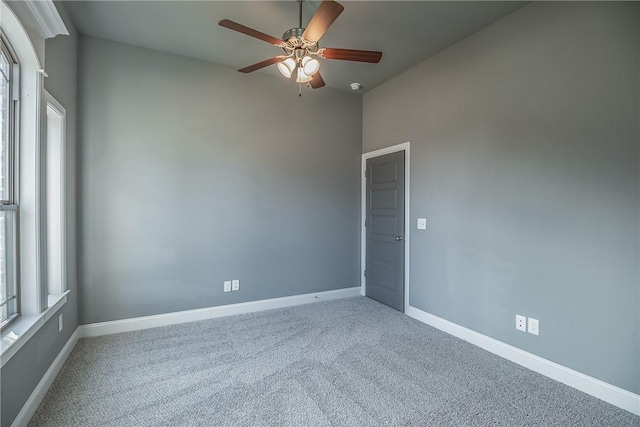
(317,81)
(261,64)
(352,55)
(249,31)
(328,11)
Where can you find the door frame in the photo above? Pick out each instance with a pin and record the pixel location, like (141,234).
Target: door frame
(405,146)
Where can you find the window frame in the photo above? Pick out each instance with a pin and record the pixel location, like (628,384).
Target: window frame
(11,203)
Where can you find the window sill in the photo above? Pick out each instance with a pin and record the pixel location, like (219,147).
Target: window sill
(25,327)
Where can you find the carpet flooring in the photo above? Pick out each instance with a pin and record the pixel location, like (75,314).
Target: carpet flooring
(349,362)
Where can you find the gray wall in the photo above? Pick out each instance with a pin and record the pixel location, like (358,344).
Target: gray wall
(22,373)
(524,160)
(192,174)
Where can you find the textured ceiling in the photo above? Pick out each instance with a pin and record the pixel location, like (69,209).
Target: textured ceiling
(406,32)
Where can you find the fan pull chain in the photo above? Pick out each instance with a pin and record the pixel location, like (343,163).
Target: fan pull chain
(300,89)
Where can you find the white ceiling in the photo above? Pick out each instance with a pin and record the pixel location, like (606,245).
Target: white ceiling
(406,32)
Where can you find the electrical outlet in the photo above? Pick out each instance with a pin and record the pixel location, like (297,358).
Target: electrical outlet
(422,223)
(534,326)
(521,323)
(227,286)
(235,285)
(60,323)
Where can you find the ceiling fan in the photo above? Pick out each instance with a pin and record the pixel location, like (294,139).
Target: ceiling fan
(301,46)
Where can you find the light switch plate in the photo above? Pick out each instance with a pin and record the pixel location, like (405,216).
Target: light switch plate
(235,285)
(422,223)
(534,326)
(227,286)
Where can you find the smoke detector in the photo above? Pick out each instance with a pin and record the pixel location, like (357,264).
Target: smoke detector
(355,86)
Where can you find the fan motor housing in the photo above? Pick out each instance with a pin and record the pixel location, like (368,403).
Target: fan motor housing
(293,33)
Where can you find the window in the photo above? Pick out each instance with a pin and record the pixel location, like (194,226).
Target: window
(55,200)
(32,187)
(9,302)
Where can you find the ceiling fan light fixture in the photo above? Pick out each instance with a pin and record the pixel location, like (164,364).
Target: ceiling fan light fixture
(310,65)
(300,45)
(302,76)
(286,67)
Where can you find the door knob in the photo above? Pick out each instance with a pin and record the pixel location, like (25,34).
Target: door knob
(398,238)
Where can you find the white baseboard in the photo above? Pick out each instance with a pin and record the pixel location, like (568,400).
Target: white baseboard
(146,322)
(31,405)
(609,393)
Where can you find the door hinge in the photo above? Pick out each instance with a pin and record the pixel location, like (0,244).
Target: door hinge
(365,173)
(365,222)
(365,273)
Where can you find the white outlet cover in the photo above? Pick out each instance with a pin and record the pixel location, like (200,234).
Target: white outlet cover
(422,223)
(235,285)
(227,286)
(521,323)
(534,326)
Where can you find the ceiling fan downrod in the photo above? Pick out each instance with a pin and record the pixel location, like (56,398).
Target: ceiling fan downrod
(300,14)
